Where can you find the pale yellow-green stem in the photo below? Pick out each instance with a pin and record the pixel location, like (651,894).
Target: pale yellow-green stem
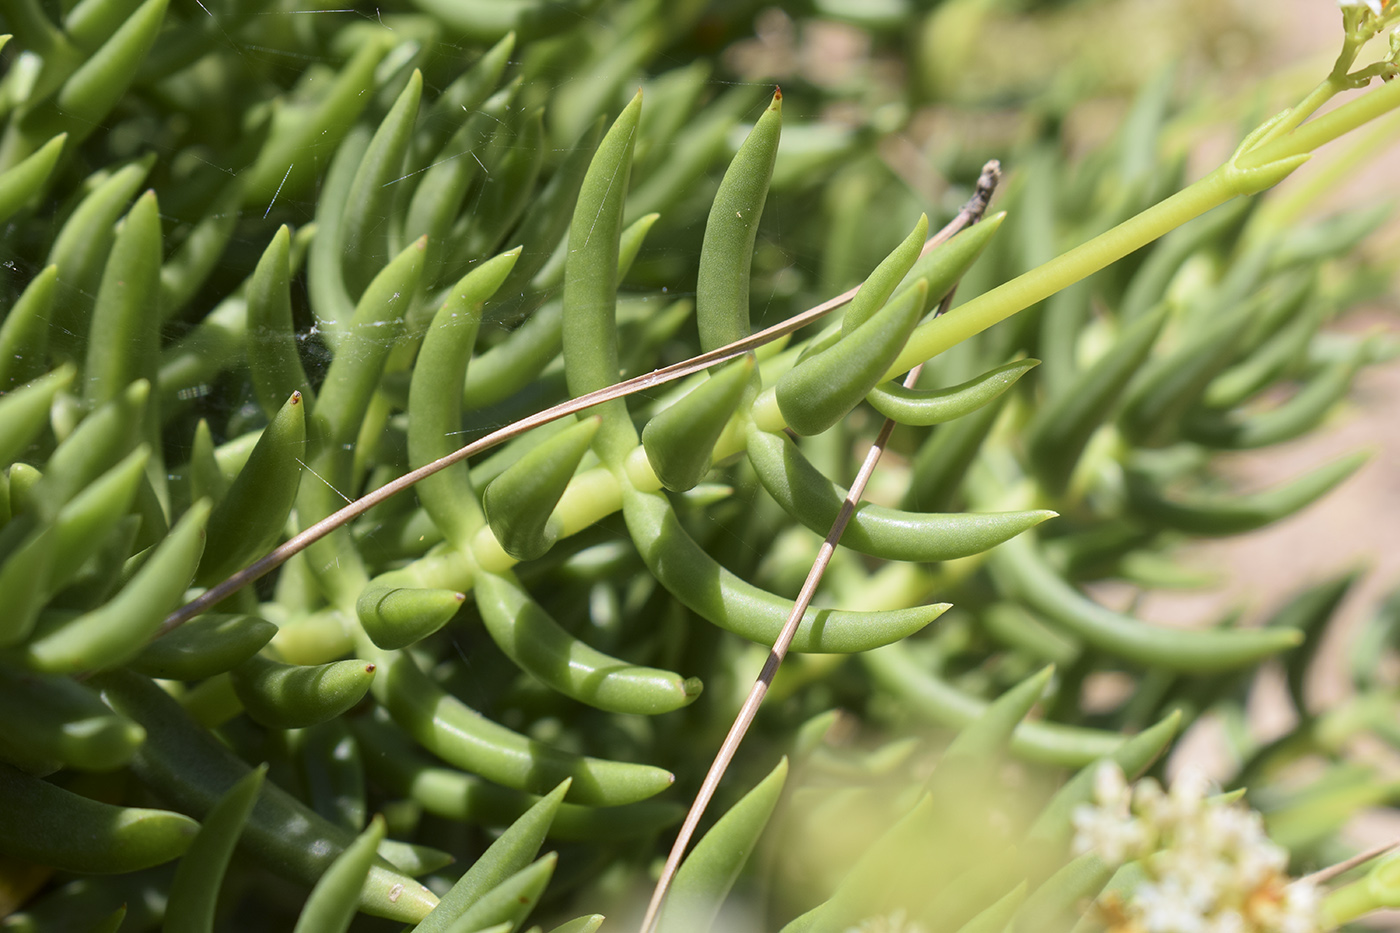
(1380,889)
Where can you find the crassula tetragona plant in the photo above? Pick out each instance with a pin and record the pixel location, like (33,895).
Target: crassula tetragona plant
(272,264)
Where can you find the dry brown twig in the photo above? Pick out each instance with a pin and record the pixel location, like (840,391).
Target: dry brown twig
(309,536)
(1324,875)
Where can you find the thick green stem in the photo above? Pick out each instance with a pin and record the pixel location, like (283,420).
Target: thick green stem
(1000,303)
(1289,206)
(1328,89)
(1347,904)
(1257,166)
(1325,128)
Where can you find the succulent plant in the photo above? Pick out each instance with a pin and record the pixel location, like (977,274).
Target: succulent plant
(445,247)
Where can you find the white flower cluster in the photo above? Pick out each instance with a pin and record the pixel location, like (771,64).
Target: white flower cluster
(1207,865)
(1375,6)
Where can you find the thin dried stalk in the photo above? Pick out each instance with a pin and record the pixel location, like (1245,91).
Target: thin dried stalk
(971,212)
(301,541)
(1324,875)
